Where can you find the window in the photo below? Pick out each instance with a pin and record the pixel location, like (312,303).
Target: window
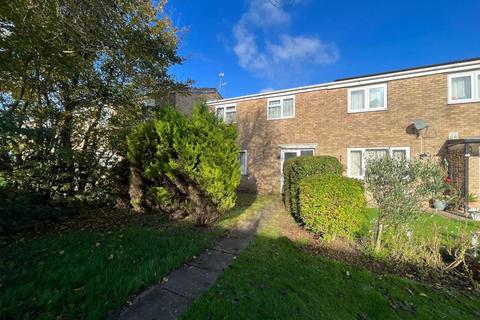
(149,102)
(293,152)
(242,157)
(464,87)
(478,85)
(371,98)
(281,108)
(358,157)
(227,113)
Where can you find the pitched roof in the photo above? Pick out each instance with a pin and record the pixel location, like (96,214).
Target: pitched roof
(409,69)
(452,66)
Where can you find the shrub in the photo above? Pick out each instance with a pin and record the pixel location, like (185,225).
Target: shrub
(331,205)
(295,169)
(400,189)
(190,163)
(23,210)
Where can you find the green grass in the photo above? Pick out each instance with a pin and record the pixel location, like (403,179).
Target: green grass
(277,279)
(84,274)
(425,226)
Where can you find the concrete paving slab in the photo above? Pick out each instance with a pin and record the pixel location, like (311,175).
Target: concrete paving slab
(213,260)
(156,304)
(232,245)
(190,281)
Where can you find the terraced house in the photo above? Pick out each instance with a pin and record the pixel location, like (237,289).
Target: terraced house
(361,117)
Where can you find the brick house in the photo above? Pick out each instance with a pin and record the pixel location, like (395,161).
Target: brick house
(185,101)
(359,117)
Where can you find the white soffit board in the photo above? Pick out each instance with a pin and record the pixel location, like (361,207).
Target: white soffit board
(450,68)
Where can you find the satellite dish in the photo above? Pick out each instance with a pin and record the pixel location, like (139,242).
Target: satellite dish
(419,124)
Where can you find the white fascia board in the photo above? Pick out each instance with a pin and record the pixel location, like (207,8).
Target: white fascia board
(456,67)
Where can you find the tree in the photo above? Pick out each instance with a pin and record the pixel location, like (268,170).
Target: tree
(73,78)
(190,165)
(400,189)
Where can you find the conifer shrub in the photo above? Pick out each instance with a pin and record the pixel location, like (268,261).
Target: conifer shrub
(189,164)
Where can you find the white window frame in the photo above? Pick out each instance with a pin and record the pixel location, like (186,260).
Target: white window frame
(224,113)
(364,150)
(474,87)
(366,97)
(245,171)
(298,150)
(281,107)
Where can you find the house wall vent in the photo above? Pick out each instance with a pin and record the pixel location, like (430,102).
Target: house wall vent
(453,135)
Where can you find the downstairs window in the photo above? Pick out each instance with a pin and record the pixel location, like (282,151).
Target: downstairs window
(358,157)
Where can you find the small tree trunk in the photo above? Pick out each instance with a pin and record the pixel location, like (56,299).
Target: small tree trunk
(204,211)
(378,235)
(136,190)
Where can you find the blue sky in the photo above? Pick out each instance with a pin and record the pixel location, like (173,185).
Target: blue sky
(277,44)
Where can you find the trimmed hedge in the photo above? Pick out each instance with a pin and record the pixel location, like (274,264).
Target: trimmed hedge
(295,169)
(331,205)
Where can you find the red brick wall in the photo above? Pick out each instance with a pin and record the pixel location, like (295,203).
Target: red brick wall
(321,117)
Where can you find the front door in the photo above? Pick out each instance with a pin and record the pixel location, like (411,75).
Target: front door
(292,153)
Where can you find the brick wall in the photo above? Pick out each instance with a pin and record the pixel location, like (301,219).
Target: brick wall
(321,117)
(186,102)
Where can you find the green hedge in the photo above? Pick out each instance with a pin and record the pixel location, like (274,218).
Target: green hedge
(331,205)
(295,169)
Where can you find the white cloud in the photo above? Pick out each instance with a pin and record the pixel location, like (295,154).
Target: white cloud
(291,49)
(277,54)
(266,90)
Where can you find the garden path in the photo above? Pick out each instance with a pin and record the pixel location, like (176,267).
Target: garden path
(169,299)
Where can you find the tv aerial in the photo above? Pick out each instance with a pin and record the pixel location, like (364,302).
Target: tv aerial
(221,83)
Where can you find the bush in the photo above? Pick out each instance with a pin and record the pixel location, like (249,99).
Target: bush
(295,169)
(190,164)
(400,189)
(331,205)
(22,210)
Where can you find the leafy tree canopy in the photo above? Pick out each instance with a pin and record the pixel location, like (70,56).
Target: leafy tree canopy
(73,76)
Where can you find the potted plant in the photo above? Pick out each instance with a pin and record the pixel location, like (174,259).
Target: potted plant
(440,204)
(441,190)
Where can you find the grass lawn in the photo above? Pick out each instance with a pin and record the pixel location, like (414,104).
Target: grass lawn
(425,226)
(87,274)
(276,278)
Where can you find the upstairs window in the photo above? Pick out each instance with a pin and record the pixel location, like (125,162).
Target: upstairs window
(281,108)
(358,157)
(371,98)
(478,85)
(227,113)
(464,87)
(242,158)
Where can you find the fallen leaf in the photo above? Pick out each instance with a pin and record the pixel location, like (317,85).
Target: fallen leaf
(423,294)
(61,252)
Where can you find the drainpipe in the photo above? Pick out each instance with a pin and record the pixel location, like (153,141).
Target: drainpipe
(465,179)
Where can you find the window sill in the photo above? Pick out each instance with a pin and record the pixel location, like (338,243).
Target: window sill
(370,110)
(283,118)
(463,101)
